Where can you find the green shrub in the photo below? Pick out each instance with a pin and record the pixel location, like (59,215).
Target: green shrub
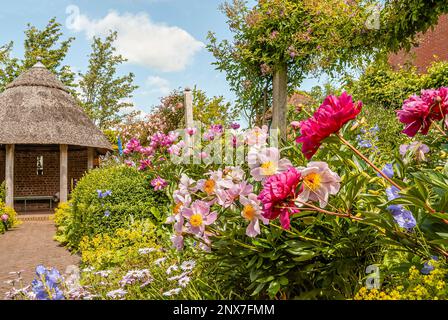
(131,198)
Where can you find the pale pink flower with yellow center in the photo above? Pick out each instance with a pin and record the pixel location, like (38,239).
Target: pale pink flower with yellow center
(318,182)
(268,163)
(257,136)
(199,216)
(252,212)
(227,198)
(211,185)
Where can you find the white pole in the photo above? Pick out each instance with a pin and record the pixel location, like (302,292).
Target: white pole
(63,180)
(9,175)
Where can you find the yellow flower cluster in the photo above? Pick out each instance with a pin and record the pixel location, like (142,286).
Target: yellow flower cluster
(104,250)
(416,287)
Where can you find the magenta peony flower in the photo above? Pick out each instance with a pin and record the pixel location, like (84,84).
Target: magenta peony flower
(159,183)
(328,119)
(278,194)
(418,112)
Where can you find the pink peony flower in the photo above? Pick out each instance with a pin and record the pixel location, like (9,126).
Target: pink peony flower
(266,163)
(318,183)
(278,194)
(227,198)
(4,217)
(199,216)
(252,212)
(328,119)
(295,125)
(159,183)
(144,164)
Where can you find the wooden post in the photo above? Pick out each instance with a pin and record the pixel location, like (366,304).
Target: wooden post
(188,104)
(63,180)
(280,100)
(90,157)
(9,175)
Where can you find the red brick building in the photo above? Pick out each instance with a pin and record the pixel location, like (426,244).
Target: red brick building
(433,46)
(46,140)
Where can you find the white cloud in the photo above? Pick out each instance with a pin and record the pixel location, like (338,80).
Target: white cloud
(140,40)
(157,84)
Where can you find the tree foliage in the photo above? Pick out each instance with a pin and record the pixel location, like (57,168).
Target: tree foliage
(45,43)
(104,94)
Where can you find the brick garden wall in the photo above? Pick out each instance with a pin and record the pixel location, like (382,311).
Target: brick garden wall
(432,43)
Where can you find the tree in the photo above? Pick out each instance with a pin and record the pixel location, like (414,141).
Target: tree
(9,66)
(278,42)
(47,45)
(104,95)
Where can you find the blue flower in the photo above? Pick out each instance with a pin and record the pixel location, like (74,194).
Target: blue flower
(46,285)
(104,194)
(375,129)
(392,193)
(365,144)
(107,213)
(388,170)
(402,217)
(428,267)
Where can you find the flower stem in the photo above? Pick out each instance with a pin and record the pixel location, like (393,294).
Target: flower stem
(343,215)
(370,163)
(440,129)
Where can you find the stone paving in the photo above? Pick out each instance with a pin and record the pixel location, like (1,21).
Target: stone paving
(29,245)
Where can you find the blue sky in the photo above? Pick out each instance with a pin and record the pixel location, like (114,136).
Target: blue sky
(163,39)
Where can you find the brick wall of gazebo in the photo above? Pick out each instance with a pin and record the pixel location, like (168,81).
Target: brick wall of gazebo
(26,180)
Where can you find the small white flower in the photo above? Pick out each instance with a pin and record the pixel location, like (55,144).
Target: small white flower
(172,292)
(172,268)
(103,273)
(143,251)
(159,261)
(184,281)
(119,293)
(188,265)
(88,269)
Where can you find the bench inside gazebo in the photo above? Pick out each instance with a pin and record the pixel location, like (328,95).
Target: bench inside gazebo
(47,142)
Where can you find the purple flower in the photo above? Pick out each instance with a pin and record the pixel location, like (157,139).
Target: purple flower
(418,149)
(159,183)
(235,125)
(388,170)
(107,213)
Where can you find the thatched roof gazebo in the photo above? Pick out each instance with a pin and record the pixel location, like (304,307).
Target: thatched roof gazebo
(45,137)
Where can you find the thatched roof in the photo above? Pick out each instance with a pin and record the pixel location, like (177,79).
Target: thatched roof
(36,108)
